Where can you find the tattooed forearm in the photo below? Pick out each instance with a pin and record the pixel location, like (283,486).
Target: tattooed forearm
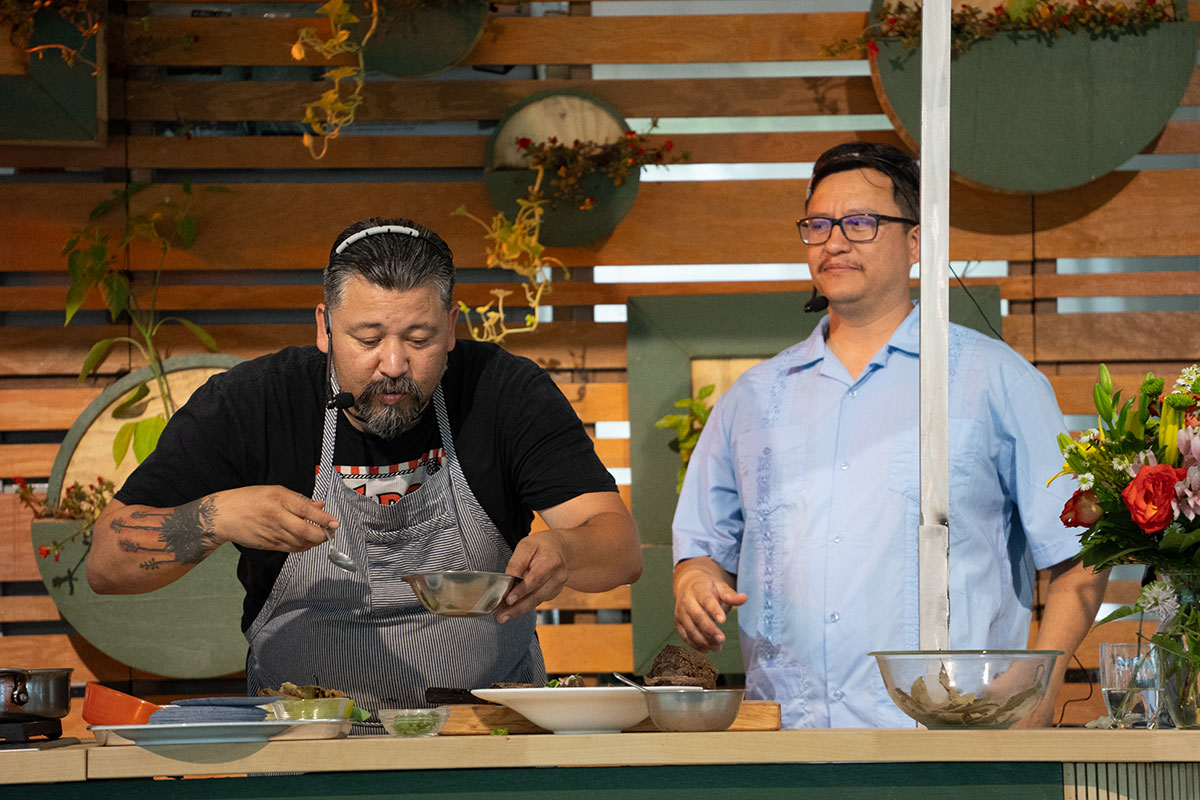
(186,532)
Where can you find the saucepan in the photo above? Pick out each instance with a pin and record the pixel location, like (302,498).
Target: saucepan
(33,694)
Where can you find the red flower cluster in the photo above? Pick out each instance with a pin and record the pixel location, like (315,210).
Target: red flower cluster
(1148,496)
(1082,510)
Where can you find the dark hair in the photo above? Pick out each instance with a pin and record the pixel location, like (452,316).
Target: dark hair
(396,261)
(898,165)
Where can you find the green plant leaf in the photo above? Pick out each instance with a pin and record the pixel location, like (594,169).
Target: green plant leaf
(115,288)
(145,436)
(1120,613)
(95,357)
(121,442)
(103,207)
(201,334)
(126,406)
(185,229)
(187,186)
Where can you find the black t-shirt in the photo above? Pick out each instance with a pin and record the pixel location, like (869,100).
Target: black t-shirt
(519,442)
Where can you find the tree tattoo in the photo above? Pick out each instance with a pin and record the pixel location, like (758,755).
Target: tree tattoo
(186,533)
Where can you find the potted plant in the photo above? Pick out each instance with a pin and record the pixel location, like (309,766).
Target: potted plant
(407,38)
(591,157)
(1108,75)
(514,245)
(52,58)
(128,416)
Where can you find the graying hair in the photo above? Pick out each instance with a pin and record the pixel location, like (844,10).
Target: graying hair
(394,261)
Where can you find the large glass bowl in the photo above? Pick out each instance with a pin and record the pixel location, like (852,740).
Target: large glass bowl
(966,688)
(461,593)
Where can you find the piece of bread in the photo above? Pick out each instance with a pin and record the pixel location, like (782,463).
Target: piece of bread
(681,666)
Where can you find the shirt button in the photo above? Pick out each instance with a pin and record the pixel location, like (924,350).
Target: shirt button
(837,695)
(845,465)
(854,393)
(766,451)
(837,540)
(834,617)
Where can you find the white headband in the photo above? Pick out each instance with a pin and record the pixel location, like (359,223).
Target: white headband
(337,251)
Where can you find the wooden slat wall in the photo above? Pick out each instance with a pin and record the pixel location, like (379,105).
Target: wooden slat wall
(285,209)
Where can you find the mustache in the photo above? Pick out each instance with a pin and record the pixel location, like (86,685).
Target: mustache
(402,385)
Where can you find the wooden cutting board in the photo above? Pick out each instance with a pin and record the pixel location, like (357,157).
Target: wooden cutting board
(754,715)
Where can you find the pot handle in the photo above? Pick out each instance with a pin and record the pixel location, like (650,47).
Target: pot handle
(20,692)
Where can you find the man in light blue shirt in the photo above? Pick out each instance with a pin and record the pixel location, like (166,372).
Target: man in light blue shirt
(801,501)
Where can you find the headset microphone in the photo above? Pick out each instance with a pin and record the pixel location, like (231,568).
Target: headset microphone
(816,302)
(342,400)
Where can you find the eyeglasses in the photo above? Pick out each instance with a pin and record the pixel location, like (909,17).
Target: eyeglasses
(855,227)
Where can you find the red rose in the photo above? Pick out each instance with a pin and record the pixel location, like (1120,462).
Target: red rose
(1082,510)
(43,551)
(1148,496)
(524,142)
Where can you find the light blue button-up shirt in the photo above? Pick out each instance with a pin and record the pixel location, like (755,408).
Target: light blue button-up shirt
(805,484)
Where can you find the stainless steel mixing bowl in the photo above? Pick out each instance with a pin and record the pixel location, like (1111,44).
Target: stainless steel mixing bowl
(461,593)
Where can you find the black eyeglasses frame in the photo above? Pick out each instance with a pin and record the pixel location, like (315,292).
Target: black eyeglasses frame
(838,222)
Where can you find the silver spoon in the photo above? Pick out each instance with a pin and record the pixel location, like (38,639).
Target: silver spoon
(339,559)
(637,686)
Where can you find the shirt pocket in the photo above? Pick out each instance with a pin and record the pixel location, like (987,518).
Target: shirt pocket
(770,467)
(904,474)
(431,545)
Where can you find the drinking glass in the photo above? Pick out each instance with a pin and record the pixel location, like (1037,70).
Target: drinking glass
(1129,683)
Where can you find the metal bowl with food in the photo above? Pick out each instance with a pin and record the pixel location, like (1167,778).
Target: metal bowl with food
(461,593)
(966,688)
(683,709)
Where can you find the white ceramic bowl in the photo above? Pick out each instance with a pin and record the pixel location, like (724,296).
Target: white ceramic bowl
(966,688)
(578,709)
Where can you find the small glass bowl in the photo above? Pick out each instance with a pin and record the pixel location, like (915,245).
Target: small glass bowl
(413,722)
(317,708)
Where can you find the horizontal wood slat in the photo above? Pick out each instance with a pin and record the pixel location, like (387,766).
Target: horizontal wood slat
(17,561)
(587,648)
(1118,284)
(247,41)
(54,651)
(33,410)
(1169,335)
(26,460)
(16,608)
(984,226)
(408,101)
(571,600)
(563,293)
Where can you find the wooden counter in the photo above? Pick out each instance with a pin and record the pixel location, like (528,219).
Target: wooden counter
(852,764)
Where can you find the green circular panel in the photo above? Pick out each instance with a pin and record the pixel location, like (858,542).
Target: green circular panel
(1027,115)
(562,225)
(414,41)
(189,629)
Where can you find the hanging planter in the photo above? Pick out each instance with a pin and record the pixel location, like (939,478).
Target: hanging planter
(47,100)
(423,38)
(188,629)
(596,206)
(1030,113)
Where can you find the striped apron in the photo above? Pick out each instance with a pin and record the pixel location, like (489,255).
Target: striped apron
(366,633)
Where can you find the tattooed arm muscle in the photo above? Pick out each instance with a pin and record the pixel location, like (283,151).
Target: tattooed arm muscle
(139,548)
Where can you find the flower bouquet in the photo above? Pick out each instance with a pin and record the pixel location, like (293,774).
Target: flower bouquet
(1138,500)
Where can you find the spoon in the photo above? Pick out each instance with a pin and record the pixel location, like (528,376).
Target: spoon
(644,690)
(339,559)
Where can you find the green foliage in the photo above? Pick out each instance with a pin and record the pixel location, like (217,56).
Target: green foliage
(83,15)
(687,427)
(95,263)
(513,245)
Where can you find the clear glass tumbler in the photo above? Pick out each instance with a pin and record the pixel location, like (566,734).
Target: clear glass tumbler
(1129,682)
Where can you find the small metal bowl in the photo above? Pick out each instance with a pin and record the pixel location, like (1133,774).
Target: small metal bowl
(683,709)
(461,593)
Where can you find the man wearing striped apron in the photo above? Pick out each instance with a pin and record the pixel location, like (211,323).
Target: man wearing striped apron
(432,455)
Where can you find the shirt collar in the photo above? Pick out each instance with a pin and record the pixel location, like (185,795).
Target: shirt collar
(814,349)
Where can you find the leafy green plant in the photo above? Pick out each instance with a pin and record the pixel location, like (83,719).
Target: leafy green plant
(514,245)
(84,15)
(78,504)
(688,427)
(96,262)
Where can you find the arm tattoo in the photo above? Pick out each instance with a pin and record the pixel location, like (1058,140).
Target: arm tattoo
(185,534)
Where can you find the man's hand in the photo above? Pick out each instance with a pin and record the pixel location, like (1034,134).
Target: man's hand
(704,592)
(540,561)
(267,518)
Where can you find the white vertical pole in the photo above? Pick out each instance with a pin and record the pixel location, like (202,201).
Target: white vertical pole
(934,533)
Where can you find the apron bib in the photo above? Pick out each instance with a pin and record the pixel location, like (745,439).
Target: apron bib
(366,633)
